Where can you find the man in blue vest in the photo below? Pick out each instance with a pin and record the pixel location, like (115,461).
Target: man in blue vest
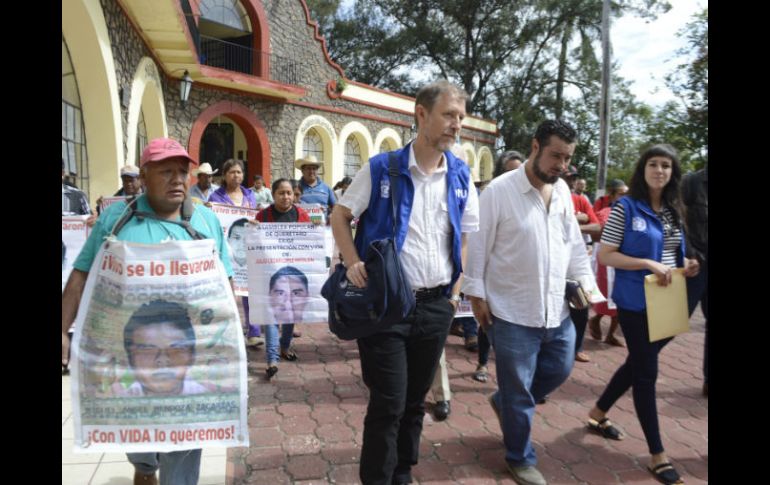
(436,204)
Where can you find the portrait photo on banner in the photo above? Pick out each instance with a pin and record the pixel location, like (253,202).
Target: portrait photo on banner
(158,346)
(234,221)
(288,265)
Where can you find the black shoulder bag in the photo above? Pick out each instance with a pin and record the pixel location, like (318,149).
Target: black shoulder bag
(387,299)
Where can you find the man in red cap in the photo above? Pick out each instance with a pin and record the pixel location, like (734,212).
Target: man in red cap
(165,172)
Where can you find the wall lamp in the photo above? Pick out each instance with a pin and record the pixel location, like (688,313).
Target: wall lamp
(185,84)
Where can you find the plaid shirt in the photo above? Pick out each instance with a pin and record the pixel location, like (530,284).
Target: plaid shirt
(73,201)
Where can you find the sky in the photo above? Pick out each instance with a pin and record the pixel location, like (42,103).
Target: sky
(646,52)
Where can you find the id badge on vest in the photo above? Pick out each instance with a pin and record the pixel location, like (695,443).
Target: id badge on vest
(385,189)
(158,358)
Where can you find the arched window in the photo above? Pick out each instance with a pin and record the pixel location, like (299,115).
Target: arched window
(352,156)
(313,145)
(226,35)
(386,146)
(141,136)
(228,13)
(73,137)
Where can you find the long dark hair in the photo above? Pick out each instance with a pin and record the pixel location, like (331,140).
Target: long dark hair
(503,159)
(638,187)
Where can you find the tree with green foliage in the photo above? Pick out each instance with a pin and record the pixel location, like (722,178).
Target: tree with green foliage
(684,122)
(515,59)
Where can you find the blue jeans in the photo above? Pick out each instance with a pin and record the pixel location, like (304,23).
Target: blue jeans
(176,467)
(271,340)
(531,363)
(253,329)
(698,291)
(469,326)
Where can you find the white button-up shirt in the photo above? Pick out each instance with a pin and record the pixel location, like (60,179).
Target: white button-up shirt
(523,253)
(427,252)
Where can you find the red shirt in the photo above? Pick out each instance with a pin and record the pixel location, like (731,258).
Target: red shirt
(582,205)
(267,215)
(601,203)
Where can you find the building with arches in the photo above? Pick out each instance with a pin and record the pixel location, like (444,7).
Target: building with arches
(265,91)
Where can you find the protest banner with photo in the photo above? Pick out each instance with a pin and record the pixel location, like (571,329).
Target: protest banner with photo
(108,201)
(464,309)
(233,220)
(316,212)
(158,357)
(74,232)
(332,251)
(287,268)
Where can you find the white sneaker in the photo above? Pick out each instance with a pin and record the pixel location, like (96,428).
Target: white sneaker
(527,475)
(255,341)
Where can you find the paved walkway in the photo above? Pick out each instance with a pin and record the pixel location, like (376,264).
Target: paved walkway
(306,424)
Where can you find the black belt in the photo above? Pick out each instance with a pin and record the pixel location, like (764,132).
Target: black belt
(423,294)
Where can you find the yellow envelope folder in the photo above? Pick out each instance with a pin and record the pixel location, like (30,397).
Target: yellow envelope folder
(666,306)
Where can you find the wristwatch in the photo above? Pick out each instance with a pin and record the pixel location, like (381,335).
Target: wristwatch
(455,298)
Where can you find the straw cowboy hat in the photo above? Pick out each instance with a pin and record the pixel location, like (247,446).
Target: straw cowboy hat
(205,168)
(308,160)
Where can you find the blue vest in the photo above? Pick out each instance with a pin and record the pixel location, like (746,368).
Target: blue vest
(377,220)
(642,238)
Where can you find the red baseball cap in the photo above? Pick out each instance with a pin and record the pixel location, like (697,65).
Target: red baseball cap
(160,149)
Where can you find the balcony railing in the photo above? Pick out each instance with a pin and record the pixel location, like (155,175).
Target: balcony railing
(238,58)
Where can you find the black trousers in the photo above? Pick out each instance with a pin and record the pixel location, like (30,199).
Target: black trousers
(640,373)
(580,319)
(398,366)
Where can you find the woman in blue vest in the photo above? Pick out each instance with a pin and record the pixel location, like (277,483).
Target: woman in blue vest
(643,235)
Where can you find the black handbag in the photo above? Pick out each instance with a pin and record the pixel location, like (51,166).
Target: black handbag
(387,298)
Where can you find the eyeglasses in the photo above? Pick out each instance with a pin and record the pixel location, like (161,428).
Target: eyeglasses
(176,354)
(667,229)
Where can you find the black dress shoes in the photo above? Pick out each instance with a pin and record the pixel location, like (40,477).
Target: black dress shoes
(441,410)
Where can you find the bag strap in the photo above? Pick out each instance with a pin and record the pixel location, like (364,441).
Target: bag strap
(128,213)
(393,173)
(187,211)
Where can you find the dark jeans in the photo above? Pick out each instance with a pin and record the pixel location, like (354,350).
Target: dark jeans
(698,291)
(253,329)
(640,371)
(469,326)
(483,346)
(398,367)
(580,319)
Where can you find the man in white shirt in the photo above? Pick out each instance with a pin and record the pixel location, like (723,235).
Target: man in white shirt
(528,243)
(262,194)
(436,204)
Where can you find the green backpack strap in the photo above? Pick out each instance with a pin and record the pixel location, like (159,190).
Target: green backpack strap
(188,208)
(128,213)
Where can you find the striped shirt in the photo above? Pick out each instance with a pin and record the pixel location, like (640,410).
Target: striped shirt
(672,233)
